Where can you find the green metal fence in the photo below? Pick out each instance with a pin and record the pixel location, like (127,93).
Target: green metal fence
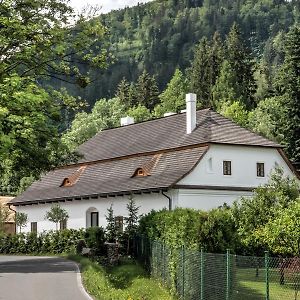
(196,275)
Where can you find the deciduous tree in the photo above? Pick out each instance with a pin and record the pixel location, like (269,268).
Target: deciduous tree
(56,214)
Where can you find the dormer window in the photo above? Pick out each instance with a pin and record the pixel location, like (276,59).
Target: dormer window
(66,182)
(73,178)
(140,172)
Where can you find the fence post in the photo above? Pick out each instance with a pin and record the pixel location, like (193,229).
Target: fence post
(163,262)
(267,275)
(183,275)
(202,274)
(228,274)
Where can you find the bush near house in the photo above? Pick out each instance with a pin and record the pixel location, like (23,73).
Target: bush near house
(252,226)
(55,242)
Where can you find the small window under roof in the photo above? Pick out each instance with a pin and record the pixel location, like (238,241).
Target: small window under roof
(147,168)
(73,178)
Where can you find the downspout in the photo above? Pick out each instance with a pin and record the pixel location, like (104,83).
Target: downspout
(14,217)
(169,198)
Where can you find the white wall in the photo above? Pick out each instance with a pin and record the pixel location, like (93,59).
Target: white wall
(77,210)
(243,163)
(207,199)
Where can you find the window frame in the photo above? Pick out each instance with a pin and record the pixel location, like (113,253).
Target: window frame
(258,165)
(33,227)
(225,167)
(97,219)
(63,224)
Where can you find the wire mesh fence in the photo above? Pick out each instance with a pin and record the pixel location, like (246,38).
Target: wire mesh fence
(196,275)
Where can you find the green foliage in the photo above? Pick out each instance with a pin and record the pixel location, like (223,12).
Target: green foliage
(268,118)
(146,91)
(173,97)
(55,242)
(124,93)
(282,234)
(160,36)
(105,114)
(4,214)
(139,113)
(131,222)
(252,214)
(237,74)
(126,281)
(288,86)
(56,215)
(111,233)
(95,239)
(42,39)
(215,230)
(205,69)
(29,138)
(236,112)
(21,219)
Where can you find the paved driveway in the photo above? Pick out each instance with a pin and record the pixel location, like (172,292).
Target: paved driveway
(39,278)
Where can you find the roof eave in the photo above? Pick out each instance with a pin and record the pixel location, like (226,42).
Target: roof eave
(89,197)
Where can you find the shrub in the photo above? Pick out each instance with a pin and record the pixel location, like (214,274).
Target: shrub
(95,239)
(47,242)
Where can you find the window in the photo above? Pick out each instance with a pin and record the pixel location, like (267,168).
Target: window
(260,169)
(63,224)
(119,223)
(33,226)
(227,167)
(209,165)
(94,219)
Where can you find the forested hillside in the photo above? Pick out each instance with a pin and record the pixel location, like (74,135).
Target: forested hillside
(241,58)
(161,35)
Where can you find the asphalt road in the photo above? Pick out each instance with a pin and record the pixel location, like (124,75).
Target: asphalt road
(39,278)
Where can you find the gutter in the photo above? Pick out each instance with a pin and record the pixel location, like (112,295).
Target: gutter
(169,198)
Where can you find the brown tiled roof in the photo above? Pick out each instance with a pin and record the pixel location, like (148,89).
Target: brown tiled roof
(161,148)
(168,133)
(113,177)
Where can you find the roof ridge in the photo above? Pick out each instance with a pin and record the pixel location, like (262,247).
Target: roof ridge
(150,120)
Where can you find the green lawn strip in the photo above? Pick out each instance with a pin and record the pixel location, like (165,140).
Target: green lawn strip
(127,281)
(255,287)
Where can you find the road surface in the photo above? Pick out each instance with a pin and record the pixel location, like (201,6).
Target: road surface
(39,278)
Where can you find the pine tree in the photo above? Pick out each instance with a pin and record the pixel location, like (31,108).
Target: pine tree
(123,93)
(288,85)
(224,90)
(216,58)
(111,230)
(206,68)
(173,97)
(131,222)
(199,73)
(241,64)
(146,90)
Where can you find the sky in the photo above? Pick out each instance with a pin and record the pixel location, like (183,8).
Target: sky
(107,5)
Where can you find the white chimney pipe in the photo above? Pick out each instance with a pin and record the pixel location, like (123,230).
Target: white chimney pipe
(191,100)
(127,121)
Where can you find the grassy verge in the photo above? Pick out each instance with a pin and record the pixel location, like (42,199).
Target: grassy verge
(128,281)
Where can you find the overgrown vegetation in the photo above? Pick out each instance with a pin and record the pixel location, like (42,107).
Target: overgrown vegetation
(126,281)
(53,242)
(266,221)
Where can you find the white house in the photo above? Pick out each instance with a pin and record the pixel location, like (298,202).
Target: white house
(196,159)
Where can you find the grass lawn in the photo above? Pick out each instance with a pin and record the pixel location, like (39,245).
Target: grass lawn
(249,287)
(127,281)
